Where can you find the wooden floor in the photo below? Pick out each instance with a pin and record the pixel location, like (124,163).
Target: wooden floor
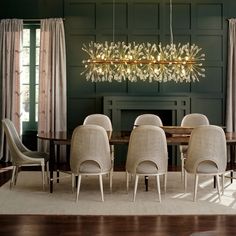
(37,225)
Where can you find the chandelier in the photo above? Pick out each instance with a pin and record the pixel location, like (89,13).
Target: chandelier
(145,61)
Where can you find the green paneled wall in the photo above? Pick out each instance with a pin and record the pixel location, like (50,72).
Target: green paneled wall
(195,21)
(203,22)
(200,22)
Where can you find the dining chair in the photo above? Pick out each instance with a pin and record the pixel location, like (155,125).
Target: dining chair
(105,122)
(22,156)
(90,154)
(206,155)
(147,155)
(191,120)
(148,119)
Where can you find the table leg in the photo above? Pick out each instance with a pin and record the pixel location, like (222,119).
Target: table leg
(51,164)
(58,160)
(146,182)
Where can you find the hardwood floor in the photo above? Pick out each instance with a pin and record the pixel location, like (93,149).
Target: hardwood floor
(37,225)
(116,225)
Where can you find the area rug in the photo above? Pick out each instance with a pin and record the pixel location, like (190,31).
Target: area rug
(27,197)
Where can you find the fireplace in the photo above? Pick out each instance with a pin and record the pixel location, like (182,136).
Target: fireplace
(124,109)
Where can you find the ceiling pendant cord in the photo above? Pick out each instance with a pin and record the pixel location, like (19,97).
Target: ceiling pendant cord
(171,21)
(113,21)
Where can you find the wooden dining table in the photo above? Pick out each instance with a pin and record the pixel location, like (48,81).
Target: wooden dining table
(174,136)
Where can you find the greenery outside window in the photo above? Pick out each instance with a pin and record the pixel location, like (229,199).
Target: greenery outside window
(30,77)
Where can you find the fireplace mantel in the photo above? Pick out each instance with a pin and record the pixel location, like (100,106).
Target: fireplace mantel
(114,106)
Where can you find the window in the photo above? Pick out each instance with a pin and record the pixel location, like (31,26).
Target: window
(30,77)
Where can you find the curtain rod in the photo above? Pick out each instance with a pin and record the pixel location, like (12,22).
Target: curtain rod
(40,19)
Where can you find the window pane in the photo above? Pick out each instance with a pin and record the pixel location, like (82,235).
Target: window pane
(36,74)
(37,56)
(36,112)
(25,93)
(25,103)
(37,37)
(25,75)
(25,114)
(30,76)
(25,56)
(26,37)
(36,93)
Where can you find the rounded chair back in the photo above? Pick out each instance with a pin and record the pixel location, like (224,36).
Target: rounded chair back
(101,120)
(14,142)
(207,146)
(194,120)
(148,119)
(90,150)
(147,145)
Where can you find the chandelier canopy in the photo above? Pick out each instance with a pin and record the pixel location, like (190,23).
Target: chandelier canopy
(145,61)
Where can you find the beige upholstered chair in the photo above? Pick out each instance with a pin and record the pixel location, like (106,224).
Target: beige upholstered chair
(191,120)
(148,119)
(101,120)
(21,156)
(105,122)
(90,154)
(206,154)
(147,155)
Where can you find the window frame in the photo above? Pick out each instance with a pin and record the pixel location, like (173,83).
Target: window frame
(32,124)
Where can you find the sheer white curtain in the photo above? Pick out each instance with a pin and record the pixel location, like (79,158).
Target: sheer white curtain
(231,80)
(11,32)
(52,78)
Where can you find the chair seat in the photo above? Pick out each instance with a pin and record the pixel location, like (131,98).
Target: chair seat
(89,167)
(35,154)
(147,167)
(207,167)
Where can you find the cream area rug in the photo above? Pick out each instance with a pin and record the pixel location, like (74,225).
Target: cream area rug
(27,197)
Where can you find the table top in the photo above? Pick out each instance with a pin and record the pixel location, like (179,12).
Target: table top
(122,137)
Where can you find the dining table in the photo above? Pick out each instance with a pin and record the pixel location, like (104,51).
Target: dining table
(175,135)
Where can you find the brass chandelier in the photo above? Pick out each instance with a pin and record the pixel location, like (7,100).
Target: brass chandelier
(145,61)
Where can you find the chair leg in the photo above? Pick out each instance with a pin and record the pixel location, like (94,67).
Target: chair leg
(16,174)
(185,181)
(182,166)
(127,182)
(195,188)
(111,175)
(135,186)
(43,176)
(218,186)
(73,182)
(13,177)
(78,187)
(58,161)
(101,187)
(223,183)
(47,172)
(165,181)
(158,187)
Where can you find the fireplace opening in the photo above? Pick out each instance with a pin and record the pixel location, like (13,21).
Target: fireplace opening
(128,117)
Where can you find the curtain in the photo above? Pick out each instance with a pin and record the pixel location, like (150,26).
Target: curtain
(231,79)
(52,78)
(11,32)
